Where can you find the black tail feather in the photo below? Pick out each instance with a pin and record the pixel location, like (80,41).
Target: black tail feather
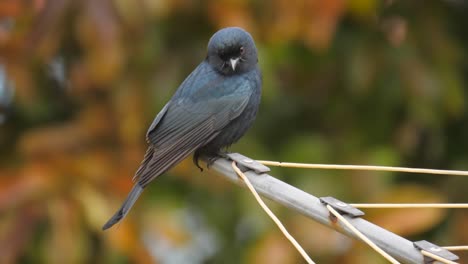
(126,206)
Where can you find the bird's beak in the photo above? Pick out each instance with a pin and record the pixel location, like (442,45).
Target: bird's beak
(234,63)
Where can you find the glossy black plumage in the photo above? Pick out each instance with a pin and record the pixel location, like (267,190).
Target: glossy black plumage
(212,109)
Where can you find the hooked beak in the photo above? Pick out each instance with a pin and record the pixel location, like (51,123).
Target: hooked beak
(234,63)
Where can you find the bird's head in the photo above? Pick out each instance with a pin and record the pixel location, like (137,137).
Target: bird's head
(232,50)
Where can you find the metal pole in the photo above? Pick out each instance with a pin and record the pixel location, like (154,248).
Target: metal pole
(310,206)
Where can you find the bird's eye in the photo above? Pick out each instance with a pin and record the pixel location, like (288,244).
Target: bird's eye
(241,50)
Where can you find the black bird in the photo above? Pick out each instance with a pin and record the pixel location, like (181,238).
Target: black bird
(212,109)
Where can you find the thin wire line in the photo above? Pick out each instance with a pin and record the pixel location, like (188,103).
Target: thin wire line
(362,236)
(271,215)
(433,256)
(410,205)
(456,248)
(361,167)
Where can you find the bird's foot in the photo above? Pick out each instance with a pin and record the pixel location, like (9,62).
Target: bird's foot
(196,159)
(214,158)
(211,161)
(211,158)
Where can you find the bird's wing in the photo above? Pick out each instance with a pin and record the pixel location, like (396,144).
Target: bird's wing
(184,127)
(156,121)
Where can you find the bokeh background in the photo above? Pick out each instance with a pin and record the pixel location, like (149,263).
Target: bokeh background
(350,82)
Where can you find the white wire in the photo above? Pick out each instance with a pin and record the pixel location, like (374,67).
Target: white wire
(361,167)
(362,236)
(271,214)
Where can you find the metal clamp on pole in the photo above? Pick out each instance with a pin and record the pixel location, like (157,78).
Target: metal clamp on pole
(435,250)
(341,206)
(246,162)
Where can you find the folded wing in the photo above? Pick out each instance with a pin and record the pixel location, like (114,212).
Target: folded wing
(184,127)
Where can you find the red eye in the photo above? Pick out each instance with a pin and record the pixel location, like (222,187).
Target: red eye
(241,50)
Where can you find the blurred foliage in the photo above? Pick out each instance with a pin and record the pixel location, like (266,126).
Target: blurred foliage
(352,82)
